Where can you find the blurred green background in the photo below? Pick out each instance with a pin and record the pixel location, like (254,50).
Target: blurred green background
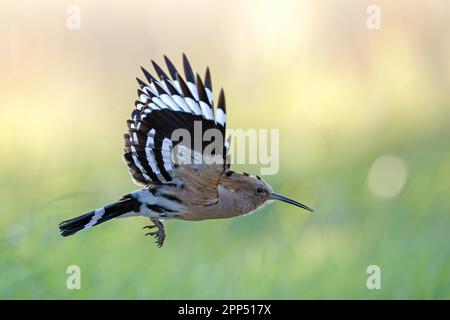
(364,133)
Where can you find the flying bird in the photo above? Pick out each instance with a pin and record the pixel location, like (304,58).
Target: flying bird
(174,188)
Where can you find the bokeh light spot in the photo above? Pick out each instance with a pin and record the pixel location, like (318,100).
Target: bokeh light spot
(387,176)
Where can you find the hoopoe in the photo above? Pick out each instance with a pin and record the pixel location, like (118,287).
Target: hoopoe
(172,189)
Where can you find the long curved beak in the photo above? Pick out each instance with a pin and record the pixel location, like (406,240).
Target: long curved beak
(276,196)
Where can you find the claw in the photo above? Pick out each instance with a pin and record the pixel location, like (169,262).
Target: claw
(159,234)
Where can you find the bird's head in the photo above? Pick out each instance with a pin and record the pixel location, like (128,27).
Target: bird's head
(255,190)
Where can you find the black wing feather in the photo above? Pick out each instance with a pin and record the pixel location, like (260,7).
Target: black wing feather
(155,119)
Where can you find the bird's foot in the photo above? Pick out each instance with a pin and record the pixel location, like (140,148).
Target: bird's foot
(159,234)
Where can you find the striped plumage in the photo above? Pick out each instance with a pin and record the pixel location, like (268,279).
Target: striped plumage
(196,190)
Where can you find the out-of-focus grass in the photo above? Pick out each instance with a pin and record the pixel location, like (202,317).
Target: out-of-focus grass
(278,252)
(339,106)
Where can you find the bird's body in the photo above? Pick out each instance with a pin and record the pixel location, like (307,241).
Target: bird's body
(184,179)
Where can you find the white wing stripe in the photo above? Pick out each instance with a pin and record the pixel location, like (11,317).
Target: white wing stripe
(193,88)
(159,103)
(150,90)
(221,117)
(180,101)
(210,96)
(153,165)
(164,86)
(150,143)
(166,147)
(170,102)
(137,163)
(143,98)
(206,111)
(135,138)
(177,86)
(152,106)
(153,88)
(194,106)
(167,160)
(150,140)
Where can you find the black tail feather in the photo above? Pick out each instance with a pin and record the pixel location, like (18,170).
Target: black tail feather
(74,225)
(125,205)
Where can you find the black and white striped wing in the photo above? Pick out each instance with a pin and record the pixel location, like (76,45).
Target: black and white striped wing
(165,105)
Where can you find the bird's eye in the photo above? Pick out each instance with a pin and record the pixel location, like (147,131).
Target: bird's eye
(259,191)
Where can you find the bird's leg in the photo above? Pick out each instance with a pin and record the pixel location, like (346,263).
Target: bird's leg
(159,234)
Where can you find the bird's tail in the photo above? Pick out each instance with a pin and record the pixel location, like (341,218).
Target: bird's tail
(125,205)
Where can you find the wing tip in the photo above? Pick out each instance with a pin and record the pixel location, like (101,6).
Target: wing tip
(221,104)
(208,82)
(162,75)
(172,70)
(188,69)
